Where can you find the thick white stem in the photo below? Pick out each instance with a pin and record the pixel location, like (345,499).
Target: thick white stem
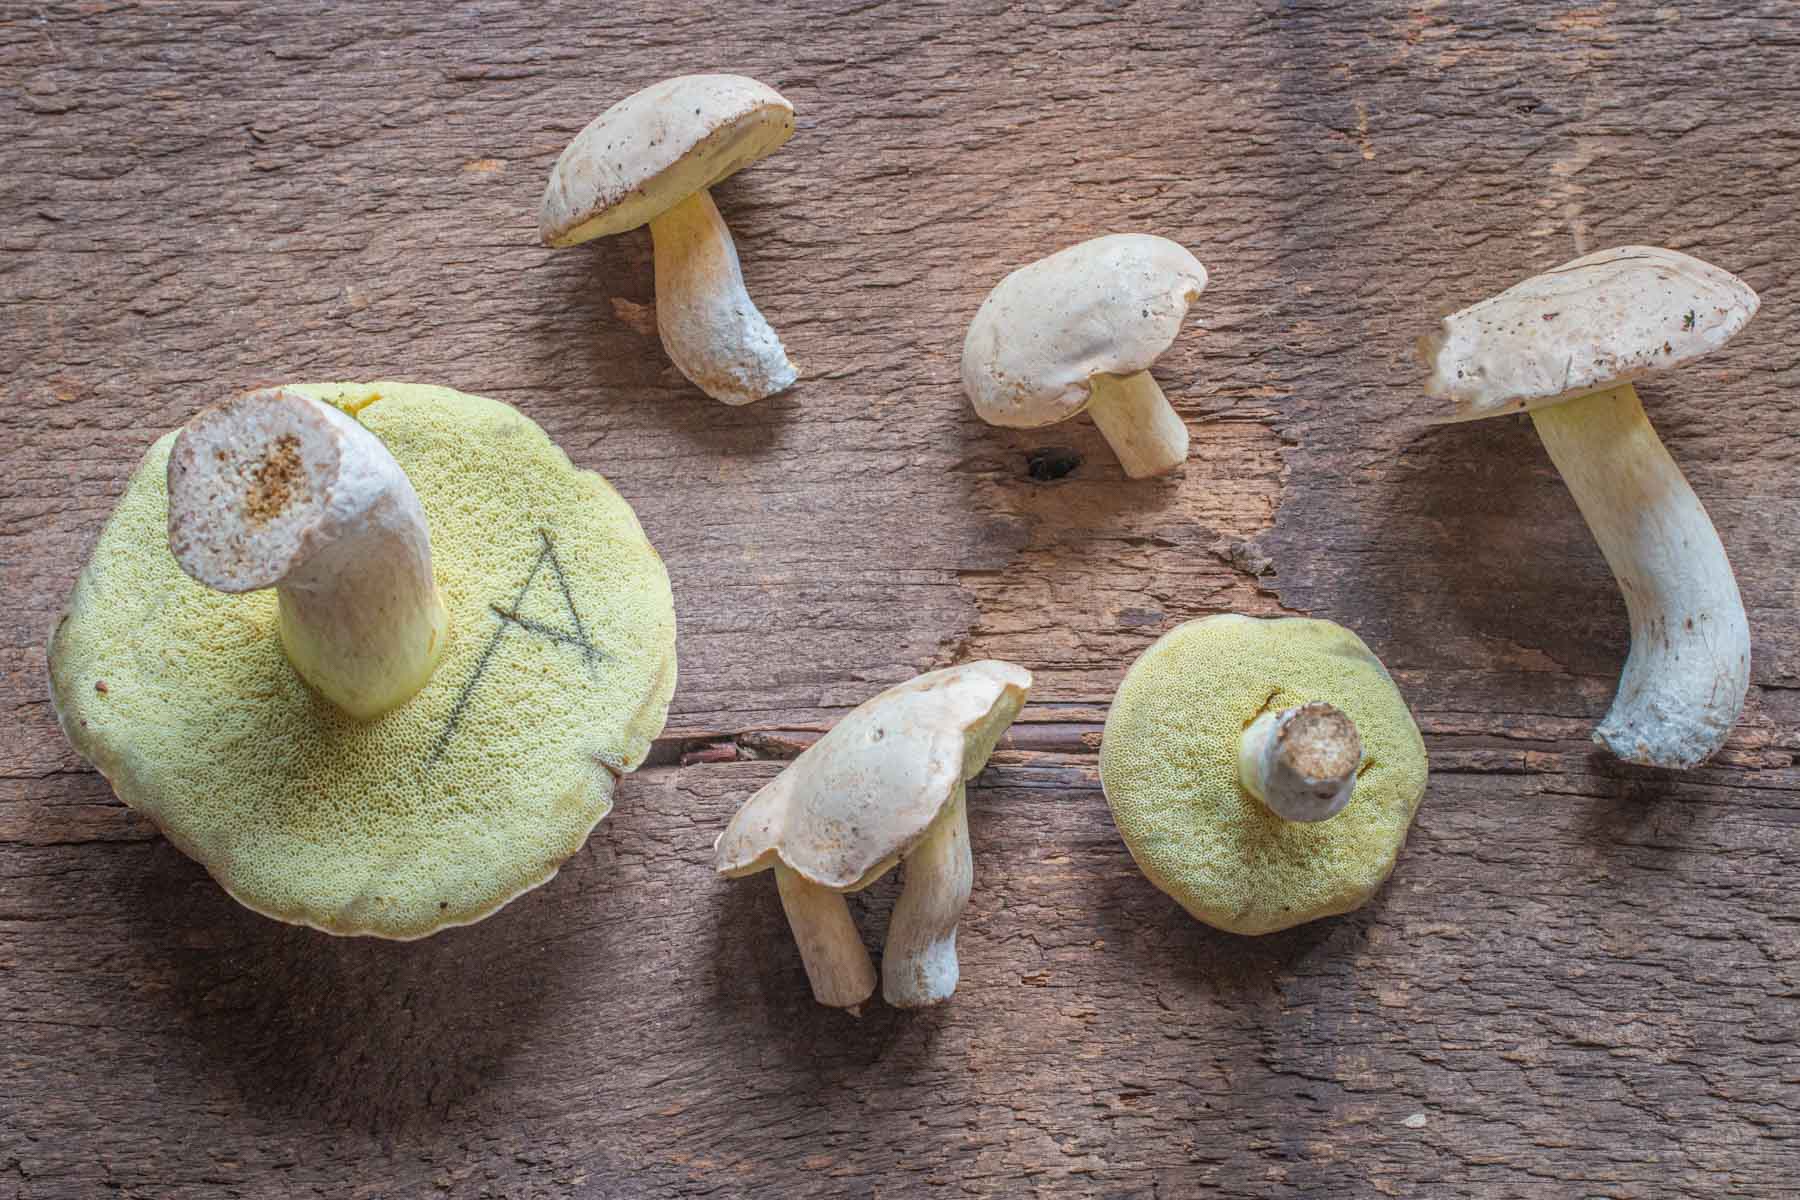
(710,327)
(918,963)
(1139,423)
(1301,762)
(1684,682)
(837,962)
(275,489)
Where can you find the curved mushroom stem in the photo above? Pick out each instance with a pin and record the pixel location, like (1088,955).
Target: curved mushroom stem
(1139,423)
(1301,762)
(837,962)
(1684,681)
(918,963)
(275,489)
(710,326)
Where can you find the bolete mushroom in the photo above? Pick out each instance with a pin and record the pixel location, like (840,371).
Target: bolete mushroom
(651,158)
(1263,772)
(460,641)
(1078,331)
(885,784)
(1565,346)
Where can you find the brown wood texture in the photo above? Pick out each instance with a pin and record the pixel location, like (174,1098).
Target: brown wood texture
(1582,979)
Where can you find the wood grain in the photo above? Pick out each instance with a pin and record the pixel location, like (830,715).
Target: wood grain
(1582,979)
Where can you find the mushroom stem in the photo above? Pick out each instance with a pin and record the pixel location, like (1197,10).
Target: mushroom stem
(1301,762)
(918,963)
(1684,681)
(1139,423)
(275,489)
(837,962)
(711,328)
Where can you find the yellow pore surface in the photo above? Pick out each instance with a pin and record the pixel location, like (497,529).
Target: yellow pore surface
(442,810)
(1169,765)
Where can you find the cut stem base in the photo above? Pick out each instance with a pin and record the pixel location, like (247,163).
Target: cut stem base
(275,489)
(1301,762)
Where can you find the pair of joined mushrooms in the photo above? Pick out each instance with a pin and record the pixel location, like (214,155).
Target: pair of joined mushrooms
(886,783)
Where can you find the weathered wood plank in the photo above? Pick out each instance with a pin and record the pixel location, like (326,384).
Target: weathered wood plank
(1582,979)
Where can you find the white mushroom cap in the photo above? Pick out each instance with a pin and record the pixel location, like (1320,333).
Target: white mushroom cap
(657,147)
(1607,318)
(863,795)
(1111,306)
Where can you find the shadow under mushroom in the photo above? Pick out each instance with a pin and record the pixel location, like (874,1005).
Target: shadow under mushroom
(363,1034)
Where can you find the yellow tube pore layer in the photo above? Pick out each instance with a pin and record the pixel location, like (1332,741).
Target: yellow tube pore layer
(558,675)
(1169,765)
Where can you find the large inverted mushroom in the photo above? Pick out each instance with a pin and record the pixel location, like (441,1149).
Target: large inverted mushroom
(651,158)
(1263,773)
(1078,331)
(454,644)
(885,784)
(1566,346)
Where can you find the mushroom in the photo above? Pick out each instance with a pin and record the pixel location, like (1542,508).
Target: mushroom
(651,158)
(554,654)
(1565,346)
(885,784)
(1263,772)
(1080,330)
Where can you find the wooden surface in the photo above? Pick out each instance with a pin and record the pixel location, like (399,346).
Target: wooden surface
(1582,979)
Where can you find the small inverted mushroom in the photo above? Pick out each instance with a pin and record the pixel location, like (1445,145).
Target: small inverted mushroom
(1079,331)
(1264,773)
(1566,345)
(495,764)
(885,784)
(651,158)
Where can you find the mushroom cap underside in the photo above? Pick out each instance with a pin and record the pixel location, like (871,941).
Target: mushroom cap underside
(1169,767)
(557,678)
(1606,318)
(657,147)
(1111,305)
(863,795)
